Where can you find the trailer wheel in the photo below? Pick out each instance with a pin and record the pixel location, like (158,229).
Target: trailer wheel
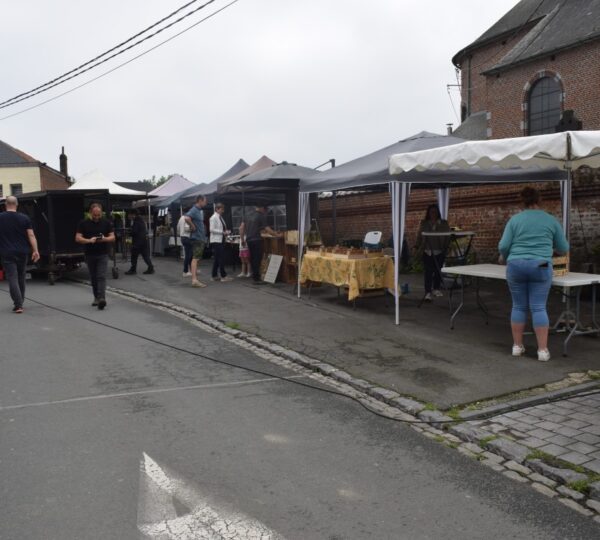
(51,278)
(115,273)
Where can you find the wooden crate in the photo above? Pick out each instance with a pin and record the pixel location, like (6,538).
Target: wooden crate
(560,265)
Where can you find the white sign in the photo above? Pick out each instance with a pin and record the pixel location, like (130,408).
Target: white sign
(169,508)
(273,268)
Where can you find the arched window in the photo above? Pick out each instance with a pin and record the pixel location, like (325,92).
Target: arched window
(545,106)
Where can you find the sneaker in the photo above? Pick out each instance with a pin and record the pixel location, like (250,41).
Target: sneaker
(241,274)
(215,278)
(226,279)
(544,355)
(95,302)
(130,272)
(438,293)
(18,310)
(198,284)
(248,274)
(428,297)
(187,274)
(101,304)
(518,350)
(150,270)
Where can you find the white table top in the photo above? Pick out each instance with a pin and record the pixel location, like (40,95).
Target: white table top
(449,233)
(498,271)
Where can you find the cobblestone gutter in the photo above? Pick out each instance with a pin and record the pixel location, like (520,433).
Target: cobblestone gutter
(574,486)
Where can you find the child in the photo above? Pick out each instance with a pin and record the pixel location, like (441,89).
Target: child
(244,258)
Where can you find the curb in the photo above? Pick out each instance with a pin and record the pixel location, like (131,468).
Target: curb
(501,454)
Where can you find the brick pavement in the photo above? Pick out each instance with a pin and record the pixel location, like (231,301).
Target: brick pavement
(568,429)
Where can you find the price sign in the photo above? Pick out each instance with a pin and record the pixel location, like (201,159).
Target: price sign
(273,268)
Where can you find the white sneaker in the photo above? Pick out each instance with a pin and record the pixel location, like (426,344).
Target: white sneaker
(428,297)
(518,350)
(437,292)
(241,274)
(544,355)
(248,274)
(187,274)
(226,279)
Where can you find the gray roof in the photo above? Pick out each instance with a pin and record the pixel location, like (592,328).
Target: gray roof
(553,25)
(13,156)
(474,128)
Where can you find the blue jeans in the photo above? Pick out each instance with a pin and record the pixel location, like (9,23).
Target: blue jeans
(15,268)
(529,285)
(187,253)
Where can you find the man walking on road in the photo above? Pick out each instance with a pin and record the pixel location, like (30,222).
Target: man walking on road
(16,241)
(195,219)
(96,233)
(139,243)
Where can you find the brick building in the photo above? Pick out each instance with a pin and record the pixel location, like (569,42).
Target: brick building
(535,68)
(21,173)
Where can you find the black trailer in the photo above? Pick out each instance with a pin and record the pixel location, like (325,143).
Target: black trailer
(55,216)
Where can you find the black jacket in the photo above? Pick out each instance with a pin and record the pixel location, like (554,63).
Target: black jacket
(139,232)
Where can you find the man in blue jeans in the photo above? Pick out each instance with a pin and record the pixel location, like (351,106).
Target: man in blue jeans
(16,241)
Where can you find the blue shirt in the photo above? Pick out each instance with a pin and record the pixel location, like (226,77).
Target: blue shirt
(532,234)
(197,217)
(13,233)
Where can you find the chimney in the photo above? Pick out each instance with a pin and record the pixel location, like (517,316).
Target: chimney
(449,129)
(63,164)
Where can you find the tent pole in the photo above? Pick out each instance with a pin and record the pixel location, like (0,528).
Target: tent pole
(334,218)
(149,224)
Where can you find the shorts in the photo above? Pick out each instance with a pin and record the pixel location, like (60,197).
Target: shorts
(198,249)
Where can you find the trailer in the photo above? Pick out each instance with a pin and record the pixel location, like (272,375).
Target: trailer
(55,216)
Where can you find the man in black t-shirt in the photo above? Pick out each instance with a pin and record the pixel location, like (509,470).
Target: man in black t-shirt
(96,233)
(16,241)
(139,243)
(252,229)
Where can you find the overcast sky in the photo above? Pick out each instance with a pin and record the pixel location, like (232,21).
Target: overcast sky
(297,80)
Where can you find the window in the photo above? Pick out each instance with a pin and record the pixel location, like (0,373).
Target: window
(16,189)
(545,106)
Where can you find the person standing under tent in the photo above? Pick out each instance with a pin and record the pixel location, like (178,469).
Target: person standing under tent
(195,219)
(139,243)
(184,231)
(527,244)
(95,234)
(17,240)
(218,234)
(252,228)
(434,250)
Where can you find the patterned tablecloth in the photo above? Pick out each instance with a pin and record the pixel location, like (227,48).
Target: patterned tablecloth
(356,274)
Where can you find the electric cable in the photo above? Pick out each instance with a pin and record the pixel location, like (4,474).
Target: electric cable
(102,54)
(482,416)
(120,65)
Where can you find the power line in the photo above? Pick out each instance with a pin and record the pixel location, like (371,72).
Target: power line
(101,55)
(120,65)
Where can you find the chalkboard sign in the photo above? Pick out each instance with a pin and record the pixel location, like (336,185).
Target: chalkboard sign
(273,268)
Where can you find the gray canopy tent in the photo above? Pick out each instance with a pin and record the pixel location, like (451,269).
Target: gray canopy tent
(373,169)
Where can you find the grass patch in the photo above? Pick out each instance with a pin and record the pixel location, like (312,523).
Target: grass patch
(454,413)
(561,464)
(582,486)
(233,325)
(430,407)
(594,375)
(485,440)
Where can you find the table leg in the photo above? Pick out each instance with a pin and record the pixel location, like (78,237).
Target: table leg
(481,303)
(462,302)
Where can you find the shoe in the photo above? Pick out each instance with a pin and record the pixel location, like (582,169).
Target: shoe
(544,355)
(187,274)
(18,310)
(95,302)
(215,278)
(437,292)
(130,272)
(248,274)
(226,279)
(427,297)
(198,284)
(150,270)
(101,304)
(518,350)
(241,274)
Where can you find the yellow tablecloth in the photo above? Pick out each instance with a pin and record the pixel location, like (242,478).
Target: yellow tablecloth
(356,274)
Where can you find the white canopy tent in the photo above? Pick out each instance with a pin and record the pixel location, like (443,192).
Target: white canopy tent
(98,180)
(400,184)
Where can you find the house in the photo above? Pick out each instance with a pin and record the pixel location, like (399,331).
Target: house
(21,173)
(536,70)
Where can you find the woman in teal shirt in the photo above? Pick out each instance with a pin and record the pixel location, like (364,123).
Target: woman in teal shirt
(529,240)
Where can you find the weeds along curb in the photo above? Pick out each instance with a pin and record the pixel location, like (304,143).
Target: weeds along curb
(578,491)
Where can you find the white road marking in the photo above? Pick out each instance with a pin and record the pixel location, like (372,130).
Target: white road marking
(277,439)
(171,509)
(148,391)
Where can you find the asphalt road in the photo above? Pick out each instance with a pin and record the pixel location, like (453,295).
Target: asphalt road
(104,435)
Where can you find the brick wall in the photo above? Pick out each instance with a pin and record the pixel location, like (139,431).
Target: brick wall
(483,209)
